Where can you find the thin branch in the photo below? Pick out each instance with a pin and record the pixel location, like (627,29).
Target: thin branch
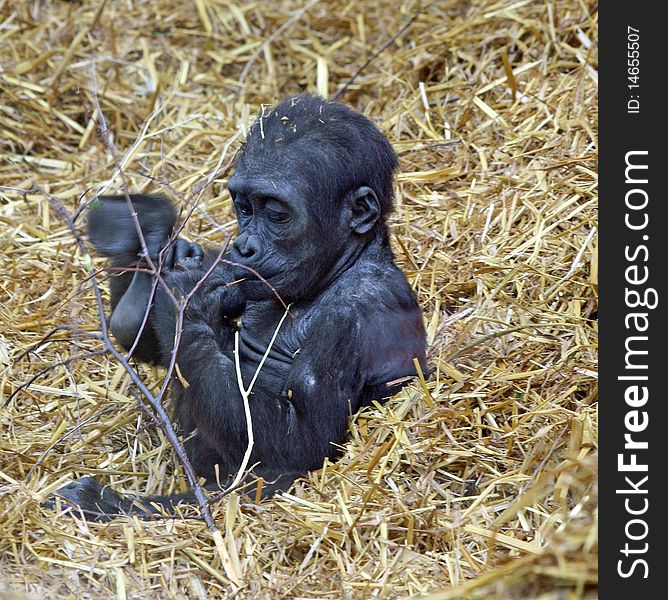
(373,57)
(104,133)
(63,437)
(46,338)
(245,393)
(155,402)
(50,368)
(180,315)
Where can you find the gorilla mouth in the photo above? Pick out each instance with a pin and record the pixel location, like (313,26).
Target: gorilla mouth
(247,275)
(245,272)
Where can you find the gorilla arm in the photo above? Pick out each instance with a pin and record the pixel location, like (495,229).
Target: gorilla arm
(296,419)
(129,302)
(112,230)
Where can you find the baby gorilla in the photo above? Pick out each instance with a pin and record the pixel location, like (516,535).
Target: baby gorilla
(312,190)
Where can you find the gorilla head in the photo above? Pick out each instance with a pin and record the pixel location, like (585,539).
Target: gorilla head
(313,184)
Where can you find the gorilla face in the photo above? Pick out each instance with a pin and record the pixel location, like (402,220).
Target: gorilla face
(271,240)
(279,235)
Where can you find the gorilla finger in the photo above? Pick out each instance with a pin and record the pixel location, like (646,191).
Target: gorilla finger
(182,249)
(188,263)
(196,251)
(169,256)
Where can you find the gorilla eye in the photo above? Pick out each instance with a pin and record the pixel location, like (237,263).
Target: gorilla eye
(276,210)
(278,217)
(245,209)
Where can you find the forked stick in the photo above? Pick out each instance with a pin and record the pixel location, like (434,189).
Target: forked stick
(245,393)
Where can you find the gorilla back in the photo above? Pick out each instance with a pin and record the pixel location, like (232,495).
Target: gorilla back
(312,190)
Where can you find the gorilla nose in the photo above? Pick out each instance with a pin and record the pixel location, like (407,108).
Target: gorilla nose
(247,246)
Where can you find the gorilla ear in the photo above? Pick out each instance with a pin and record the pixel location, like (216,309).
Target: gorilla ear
(364,209)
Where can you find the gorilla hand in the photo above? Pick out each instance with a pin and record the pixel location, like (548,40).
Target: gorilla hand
(184,256)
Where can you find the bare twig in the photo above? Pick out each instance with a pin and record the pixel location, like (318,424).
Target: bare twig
(47,338)
(245,393)
(154,401)
(63,437)
(180,315)
(50,368)
(373,57)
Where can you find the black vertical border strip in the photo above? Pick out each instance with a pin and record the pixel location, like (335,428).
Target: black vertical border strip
(628,567)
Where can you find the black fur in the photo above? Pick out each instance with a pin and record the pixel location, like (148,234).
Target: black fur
(312,191)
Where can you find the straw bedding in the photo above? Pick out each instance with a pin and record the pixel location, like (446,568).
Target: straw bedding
(478,483)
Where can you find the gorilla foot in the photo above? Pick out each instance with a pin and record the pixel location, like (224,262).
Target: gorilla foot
(97,502)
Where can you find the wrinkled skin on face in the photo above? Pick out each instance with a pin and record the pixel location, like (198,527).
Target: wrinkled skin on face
(281,239)
(274,237)
(311,190)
